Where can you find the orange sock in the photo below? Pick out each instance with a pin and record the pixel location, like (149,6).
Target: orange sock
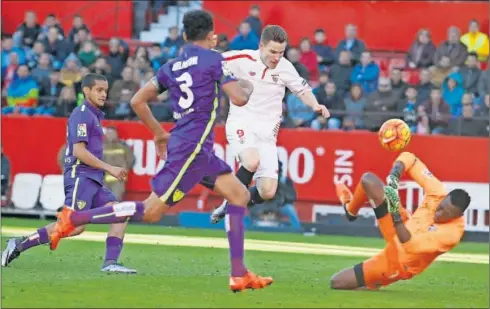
(358,200)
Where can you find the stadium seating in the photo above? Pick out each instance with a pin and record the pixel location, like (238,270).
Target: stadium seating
(25,190)
(52,192)
(174,16)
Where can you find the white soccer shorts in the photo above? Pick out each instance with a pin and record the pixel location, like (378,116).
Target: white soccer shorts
(242,134)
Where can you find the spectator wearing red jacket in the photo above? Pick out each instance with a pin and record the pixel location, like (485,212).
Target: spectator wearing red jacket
(309,60)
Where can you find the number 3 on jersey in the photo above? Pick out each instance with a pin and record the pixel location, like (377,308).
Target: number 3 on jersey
(185,88)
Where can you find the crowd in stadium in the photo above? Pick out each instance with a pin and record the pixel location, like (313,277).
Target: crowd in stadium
(42,68)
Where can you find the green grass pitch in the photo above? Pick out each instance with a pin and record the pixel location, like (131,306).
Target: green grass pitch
(179,276)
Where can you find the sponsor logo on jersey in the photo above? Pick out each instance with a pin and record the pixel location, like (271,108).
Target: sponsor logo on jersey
(82,130)
(275,77)
(427,173)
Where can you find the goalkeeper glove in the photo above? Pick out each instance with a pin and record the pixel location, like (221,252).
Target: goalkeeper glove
(392,199)
(392,181)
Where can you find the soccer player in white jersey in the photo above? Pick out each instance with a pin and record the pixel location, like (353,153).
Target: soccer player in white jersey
(251,130)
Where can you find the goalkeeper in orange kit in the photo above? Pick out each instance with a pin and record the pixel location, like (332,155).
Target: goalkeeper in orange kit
(413,243)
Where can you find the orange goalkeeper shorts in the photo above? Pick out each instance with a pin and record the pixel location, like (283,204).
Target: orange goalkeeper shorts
(381,270)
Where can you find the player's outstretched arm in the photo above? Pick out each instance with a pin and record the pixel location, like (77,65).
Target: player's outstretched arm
(408,163)
(238,91)
(402,232)
(396,172)
(300,87)
(81,152)
(139,103)
(308,98)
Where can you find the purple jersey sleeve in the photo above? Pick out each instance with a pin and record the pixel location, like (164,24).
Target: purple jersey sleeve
(160,80)
(80,126)
(221,73)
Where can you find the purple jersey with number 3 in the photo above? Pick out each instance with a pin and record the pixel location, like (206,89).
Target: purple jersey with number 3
(194,81)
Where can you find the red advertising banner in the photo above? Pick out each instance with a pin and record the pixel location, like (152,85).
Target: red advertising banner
(315,160)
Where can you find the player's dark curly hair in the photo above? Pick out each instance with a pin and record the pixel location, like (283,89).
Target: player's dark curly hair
(460,198)
(197,25)
(90,79)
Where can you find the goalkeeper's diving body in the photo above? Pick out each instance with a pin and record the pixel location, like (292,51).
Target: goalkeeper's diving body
(412,244)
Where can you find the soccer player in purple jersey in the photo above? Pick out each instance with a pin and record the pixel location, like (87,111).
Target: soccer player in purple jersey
(83,176)
(194,79)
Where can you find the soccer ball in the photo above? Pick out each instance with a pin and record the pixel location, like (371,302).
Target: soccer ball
(394,135)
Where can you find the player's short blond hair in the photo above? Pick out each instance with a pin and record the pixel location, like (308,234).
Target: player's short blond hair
(274,33)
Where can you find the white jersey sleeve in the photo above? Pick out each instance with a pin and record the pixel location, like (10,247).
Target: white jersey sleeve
(293,81)
(237,60)
(231,65)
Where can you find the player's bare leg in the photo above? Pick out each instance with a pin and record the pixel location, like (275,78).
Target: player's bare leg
(237,195)
(265,190)
(351,278)
(380,196)
(370,188)
(266,182)
(249,160)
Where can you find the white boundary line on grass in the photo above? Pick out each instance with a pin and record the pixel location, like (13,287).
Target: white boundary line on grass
(251,244)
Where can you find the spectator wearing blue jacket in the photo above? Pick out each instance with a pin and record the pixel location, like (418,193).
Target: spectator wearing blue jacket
(452,92)
(246,38)
(33,54)
(156,56)
(8,48)
(366,73)
(172,43)
(300,114)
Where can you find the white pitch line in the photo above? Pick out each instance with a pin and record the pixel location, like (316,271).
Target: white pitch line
(251,244)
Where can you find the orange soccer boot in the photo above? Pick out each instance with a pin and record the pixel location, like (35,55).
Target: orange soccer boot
(63,227)
(345,196)
(249,281)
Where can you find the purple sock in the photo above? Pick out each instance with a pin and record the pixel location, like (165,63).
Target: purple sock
(40,237)
(117,213)
(236,232)
(113,247)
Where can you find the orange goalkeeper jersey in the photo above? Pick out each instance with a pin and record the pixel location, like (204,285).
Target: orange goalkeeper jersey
(429,239)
